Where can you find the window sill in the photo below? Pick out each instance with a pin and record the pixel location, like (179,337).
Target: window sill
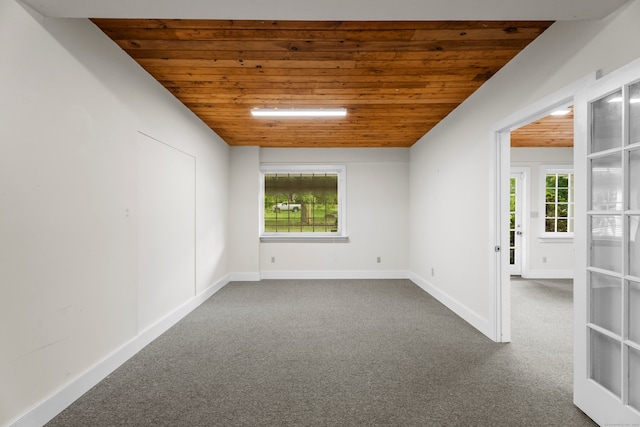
(305,239)
(555,239)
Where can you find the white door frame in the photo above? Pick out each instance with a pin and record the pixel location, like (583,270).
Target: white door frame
(501,135)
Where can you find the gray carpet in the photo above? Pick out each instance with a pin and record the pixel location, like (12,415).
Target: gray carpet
(338,353)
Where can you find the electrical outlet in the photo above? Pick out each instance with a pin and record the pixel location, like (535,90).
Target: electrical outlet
(433,271)
(379,260)
(273,260)
(544,259)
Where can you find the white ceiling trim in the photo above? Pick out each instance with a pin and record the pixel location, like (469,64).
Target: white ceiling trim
(551,10)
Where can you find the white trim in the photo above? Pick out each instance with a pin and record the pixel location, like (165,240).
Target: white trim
(556,239)
(499,231)
(548,274)
(336,274)
(244,277)
(500,135)
(482,324)
(47,409)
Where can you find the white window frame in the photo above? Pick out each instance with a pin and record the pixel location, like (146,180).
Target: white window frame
(544,171)
(335,236)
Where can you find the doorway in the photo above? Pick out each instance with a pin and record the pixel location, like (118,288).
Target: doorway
(533,262)
(541,235)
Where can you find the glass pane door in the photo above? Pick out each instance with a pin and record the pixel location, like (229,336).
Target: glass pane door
(516,194)
(613,262)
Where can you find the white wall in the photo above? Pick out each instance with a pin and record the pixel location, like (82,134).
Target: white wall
(244,241)
(99,168)
(544,258)
(451,167)
(377,217)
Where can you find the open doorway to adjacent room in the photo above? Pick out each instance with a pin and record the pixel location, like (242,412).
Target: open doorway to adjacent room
(541,245)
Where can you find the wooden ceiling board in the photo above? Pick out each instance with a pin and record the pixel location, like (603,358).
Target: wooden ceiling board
(550,131)
(397,79)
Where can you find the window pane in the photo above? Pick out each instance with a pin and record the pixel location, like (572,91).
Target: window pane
(633,307)
(634,179)
(563,181)
(634,245)
(550,211)
(634,113)
(558,202)
(634,378)
(606,183)
(606,308)
(563,195)
(550,225)
(550,196)
(563,210)
(562,226)
(606,242)
(606,123)
(551,181)
(605,362)
(301,202)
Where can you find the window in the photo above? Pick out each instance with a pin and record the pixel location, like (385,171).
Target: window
(302,203)
(558,202)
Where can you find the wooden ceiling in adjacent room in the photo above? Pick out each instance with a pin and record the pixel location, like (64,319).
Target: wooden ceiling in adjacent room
(396,79)
(550,131)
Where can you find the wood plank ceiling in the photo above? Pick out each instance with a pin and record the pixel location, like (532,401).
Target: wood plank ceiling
(550,131)
(396,79)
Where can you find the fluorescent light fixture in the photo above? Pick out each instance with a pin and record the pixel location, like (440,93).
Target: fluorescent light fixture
(619,99)
(299,112)
(561,112)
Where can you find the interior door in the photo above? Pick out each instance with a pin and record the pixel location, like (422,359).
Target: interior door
(516,202)
(607,292)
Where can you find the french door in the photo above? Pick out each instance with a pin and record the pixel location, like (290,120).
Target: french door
(516,204)
(607,287)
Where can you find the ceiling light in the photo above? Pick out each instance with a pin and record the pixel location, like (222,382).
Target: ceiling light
(560,112)
(619,99)
(295,112)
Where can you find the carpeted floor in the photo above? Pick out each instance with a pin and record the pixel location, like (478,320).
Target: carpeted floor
(342,353)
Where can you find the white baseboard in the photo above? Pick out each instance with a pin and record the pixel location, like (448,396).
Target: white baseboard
(548,274)
(474,319)
(351,274)
(59,400)
(244,277)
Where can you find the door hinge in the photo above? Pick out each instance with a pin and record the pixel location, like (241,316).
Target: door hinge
(496,248)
